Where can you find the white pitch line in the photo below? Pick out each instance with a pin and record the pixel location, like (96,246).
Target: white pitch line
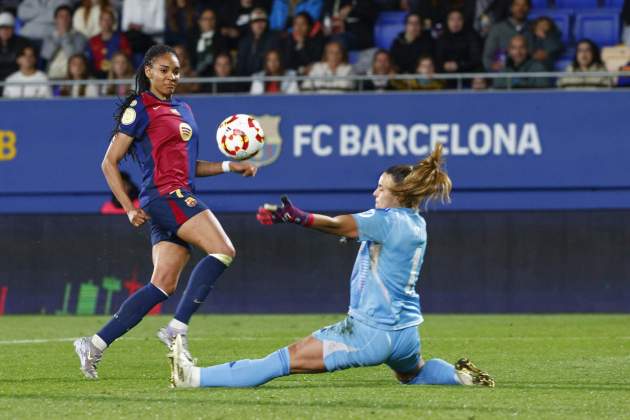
(250,338)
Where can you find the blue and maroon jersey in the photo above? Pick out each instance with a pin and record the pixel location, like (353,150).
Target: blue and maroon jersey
(166,143)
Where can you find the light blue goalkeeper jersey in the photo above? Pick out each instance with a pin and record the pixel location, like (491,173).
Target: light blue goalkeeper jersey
(383,285)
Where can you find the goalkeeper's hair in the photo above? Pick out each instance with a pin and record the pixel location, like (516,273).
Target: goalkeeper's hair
(417,185)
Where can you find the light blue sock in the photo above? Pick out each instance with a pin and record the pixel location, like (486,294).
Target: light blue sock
(436,372)
(247,373)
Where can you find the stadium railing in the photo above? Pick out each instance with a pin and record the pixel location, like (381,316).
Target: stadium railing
(460,80)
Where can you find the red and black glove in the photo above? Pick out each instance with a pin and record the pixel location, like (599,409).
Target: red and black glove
(270,214)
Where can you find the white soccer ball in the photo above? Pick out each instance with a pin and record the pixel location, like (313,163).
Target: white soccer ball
(240,136)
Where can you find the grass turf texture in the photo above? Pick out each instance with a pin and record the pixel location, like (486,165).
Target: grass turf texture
(563,366)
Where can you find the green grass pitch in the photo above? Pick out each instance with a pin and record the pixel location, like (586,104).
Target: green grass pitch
(557,366)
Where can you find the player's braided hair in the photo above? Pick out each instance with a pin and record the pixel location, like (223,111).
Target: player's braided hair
(423,182)
(142,83)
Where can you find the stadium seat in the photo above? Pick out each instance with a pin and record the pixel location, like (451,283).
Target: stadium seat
(562,63)
(388,26)
(577,4)
(601,26)
(353,56)
(614,4)
(540,4)
(562,19)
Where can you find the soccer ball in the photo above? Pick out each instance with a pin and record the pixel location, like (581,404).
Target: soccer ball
(240,136)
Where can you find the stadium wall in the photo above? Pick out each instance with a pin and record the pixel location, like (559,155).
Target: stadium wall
(506,151)
(539,220)
(522,262)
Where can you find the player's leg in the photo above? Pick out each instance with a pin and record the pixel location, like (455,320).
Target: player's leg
(340,346)
(411,369)
(204,231)
(169,259)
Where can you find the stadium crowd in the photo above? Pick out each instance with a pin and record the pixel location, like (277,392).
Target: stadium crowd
(49,40)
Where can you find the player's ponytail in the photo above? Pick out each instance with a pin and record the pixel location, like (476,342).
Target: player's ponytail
(418,184)
(142,82)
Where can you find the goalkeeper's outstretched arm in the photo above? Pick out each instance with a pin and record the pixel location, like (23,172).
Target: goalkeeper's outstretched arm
(343,225)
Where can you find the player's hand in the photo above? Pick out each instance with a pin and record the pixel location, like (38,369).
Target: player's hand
(243,168)
(137,217)
(286,212)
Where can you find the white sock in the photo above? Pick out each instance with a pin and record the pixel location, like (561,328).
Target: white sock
(98,342)
(178,326)
(195,377)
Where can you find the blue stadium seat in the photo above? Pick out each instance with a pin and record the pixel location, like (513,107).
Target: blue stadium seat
(614,4)
(562,63)
(562,19)
(577,4)
(353,56)
(540,4)
(601,26)
(387,27)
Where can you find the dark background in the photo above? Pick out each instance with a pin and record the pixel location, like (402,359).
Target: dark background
(564,261)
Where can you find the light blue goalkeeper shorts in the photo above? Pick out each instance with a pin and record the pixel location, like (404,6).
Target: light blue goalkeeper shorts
(350,343)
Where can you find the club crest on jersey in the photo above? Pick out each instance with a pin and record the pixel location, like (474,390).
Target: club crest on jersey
(128,117)
(273,141)
(190,202)
(185,131)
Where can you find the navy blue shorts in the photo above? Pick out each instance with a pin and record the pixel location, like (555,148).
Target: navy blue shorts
(169,212)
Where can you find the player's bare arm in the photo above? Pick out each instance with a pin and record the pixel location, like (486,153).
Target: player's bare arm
(117,149)
(205,168)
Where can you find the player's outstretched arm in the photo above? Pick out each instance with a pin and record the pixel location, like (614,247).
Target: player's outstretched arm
(205,168)
(343,225)
(115,152)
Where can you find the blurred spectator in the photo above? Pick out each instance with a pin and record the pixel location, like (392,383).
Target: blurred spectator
(87,17)
(274,67)
(10,6)
(209,43)
(435,12)
(383,68)
(546,42)
(234,16)
(63,43)
(625,20)
(426,69)
(479,83)
(113,206)
(587,59)
(410,44)
(302,47)
(255,44)
(185,70)
(488,12)
(146,16)
(38,18)
(334,63)
(494,52)
(458,50)
(180,21)
(223,68)
(350,22)
(283,12)
(10,45)
(28,73)
(102,47)
(519,61)
(120,68)
(78,70)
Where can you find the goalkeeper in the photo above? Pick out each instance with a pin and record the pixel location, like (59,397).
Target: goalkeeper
(382,322)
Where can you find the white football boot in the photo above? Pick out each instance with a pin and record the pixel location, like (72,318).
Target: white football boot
(184,373)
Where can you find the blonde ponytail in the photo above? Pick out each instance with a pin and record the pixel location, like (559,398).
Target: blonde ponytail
(423,182)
